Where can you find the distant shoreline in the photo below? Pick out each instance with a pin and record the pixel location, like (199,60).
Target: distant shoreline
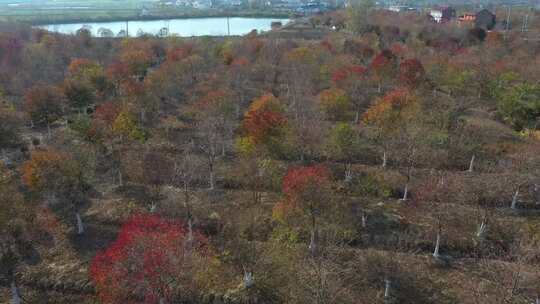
(39,21)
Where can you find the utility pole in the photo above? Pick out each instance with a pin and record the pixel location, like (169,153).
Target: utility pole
(507,22)
(228,27)
(127,28)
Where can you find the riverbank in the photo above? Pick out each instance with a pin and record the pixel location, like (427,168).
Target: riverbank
(86,16)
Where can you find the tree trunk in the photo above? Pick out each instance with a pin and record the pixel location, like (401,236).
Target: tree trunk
(190,229)
(348,172)
(357,117)
(471,164)
(537,299)
(15,295)
(364,220)
(48,130)
(514,200)
(387,285)
(405,192)
(120,179)
(211,177)
(384,159)
(80,226)
(313,243)
(437,246)
(481,230)
(162,300)
(248,279)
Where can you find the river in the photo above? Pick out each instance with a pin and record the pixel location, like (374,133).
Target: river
(214,26)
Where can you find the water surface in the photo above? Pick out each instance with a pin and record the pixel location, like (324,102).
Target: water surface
(215,26)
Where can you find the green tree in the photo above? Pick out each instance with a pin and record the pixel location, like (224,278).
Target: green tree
(519,105)
(343,144)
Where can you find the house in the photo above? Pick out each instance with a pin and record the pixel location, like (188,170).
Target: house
(485,20)
(397,8)
(442,14)
(467,18)
(202,4)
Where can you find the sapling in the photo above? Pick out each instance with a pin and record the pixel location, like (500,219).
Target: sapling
(514,199)
(481,230)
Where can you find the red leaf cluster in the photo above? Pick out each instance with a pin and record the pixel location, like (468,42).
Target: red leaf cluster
(299,179)
(384,59)
(348,72)
(411,72)
(139,267)
(303,187)
(179,53)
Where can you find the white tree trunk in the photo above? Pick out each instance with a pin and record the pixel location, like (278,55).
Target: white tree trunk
(384,160)
(437,246)
(471,164)
(387,285)
(120,178)
(514,200)
(313,243)
(48,131)
(537,300)
(249,280)
(481,230)
(441,181)
(80,226)
(405,192)
(15,295)
(364,220)
(348,173)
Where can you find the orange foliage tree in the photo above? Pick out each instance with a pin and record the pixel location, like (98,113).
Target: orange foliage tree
(263,125)
(335,103)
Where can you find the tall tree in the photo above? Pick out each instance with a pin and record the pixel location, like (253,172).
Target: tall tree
(44,104)
(306,191)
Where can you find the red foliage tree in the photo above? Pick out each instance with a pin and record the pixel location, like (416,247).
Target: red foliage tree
(383,67)
(264,121)
(411,72)
(153,260)
(306,192)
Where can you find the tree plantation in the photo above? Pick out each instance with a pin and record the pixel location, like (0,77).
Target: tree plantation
(370,157)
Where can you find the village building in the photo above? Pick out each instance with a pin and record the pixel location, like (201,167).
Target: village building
(442,14)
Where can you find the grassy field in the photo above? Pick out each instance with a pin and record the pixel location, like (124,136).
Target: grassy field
(65,11)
